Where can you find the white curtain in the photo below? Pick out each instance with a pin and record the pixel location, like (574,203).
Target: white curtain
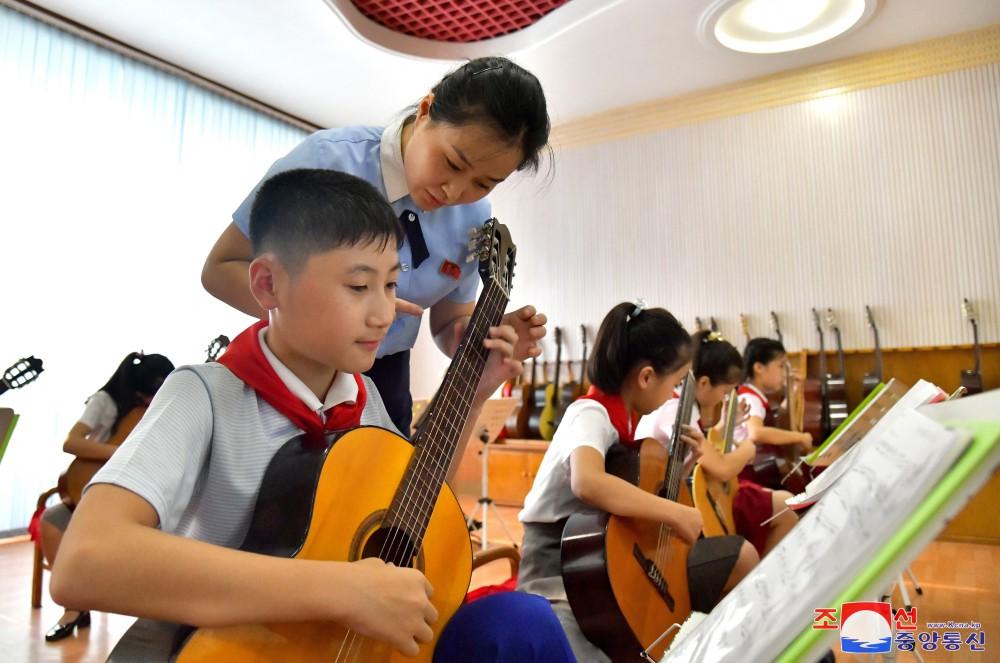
(115,180)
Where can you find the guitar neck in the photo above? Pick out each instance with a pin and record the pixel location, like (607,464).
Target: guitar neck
(675,469)
(840,352)
(731,411)
(438,436)
(976,349)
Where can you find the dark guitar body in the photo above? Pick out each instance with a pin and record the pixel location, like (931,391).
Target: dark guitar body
(836,398)
(868,384)
(535,412)
(972,381)
(621,598)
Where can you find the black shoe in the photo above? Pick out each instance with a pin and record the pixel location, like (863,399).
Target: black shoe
(60,631)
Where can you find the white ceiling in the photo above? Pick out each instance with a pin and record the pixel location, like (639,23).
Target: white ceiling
(297,55)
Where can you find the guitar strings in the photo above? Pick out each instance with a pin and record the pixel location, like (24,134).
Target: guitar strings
(408,505)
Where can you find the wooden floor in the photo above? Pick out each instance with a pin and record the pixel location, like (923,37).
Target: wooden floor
(960,581)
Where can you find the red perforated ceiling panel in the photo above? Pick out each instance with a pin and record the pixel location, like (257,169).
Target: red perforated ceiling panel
(456,20)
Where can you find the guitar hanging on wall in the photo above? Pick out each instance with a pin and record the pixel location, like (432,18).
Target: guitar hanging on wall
(873,379)
(972,379)
(836,383)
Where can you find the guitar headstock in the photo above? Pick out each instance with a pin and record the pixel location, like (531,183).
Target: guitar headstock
(712,324)
(493,247)
(776,328)
(869,317)
(22,371)
(558,337)
(831,320)
(745,326)
(968,311)
(216,347)
(583,340)
(699,326)
(819,326)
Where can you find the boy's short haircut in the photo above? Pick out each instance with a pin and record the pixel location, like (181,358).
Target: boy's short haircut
(299,213)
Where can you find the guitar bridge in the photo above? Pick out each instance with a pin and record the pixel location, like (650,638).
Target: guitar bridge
(654,576)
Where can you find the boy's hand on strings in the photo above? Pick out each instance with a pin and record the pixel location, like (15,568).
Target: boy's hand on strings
(404,307)
(392,604)
(530,327)
(501,364)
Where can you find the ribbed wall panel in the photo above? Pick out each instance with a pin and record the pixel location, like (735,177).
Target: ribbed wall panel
(888,196)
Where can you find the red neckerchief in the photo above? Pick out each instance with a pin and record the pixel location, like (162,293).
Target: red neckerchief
(622,421)
(750,390)
(246,360)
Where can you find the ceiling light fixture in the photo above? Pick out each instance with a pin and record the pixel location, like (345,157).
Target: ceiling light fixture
(776,26)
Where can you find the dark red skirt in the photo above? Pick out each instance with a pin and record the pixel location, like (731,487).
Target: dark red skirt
(752,506)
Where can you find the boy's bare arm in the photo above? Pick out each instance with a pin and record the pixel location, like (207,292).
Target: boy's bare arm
(113,558)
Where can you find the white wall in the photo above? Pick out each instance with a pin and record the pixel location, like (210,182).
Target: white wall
(888,196)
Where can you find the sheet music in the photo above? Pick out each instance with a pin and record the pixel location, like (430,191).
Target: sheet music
(888,478)
(918,395)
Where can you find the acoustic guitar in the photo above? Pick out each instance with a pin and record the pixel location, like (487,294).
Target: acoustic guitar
(516,425)
(972,379)
(776,416)
(836,383)
(873,379)
(584,382)
(558,396)
(626,579)
(816,415)
(538,401)
(369,494)
(22,372)
(79,473)
(547,425)
(714,498)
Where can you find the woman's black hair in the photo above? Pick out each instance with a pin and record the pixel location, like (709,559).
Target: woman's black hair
(137,374)
(624,341)
(501,95)
(763,350)
(716,359)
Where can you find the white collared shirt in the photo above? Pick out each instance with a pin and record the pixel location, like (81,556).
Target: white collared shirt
(343,389)
(375,155)
(391,158)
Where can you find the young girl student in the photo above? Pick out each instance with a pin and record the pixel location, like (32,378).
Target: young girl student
(639,357)
(718,369)
(764,370)
(133,384)
(435,166)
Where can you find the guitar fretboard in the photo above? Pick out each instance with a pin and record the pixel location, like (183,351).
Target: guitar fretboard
(438,435)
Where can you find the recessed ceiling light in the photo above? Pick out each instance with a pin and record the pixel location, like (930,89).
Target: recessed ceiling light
(775,26)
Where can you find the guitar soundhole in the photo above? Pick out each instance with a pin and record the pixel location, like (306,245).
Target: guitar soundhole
(391,545)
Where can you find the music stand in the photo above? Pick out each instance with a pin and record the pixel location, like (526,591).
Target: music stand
(7,422)
(491,421)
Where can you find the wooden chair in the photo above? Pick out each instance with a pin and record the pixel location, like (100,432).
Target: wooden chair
(510,553)
(40,565)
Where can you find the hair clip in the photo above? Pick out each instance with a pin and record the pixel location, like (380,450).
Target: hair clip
(711,337)
(483,71)
(639,307)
